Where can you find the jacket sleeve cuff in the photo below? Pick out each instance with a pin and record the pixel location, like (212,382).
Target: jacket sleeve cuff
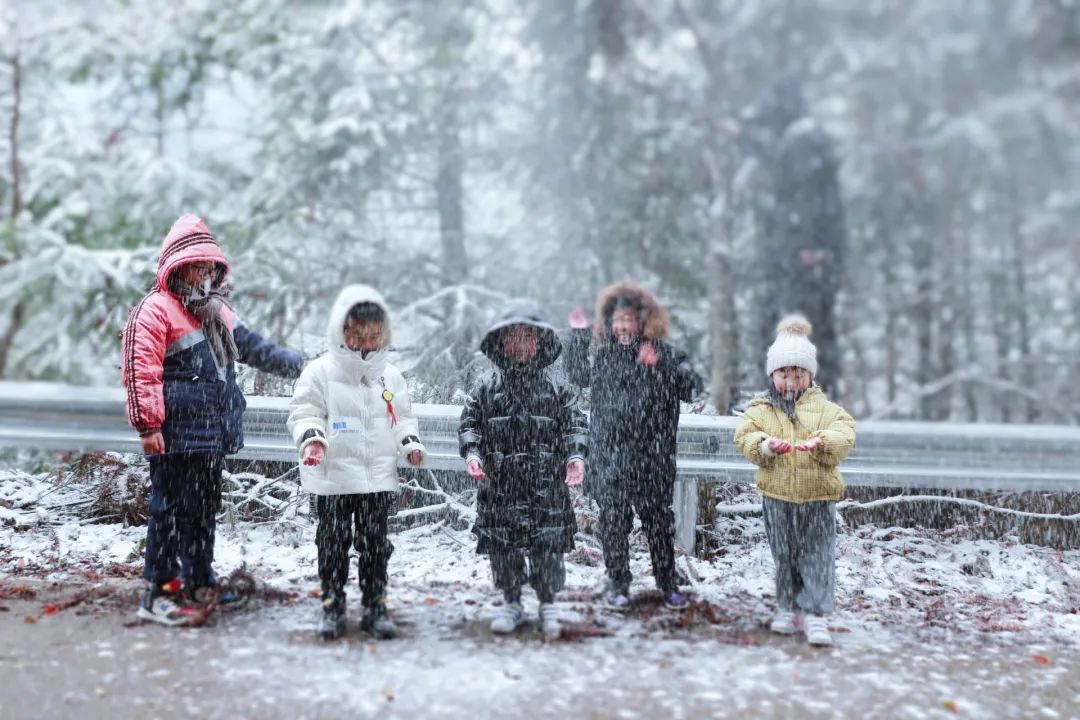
(572,458)
(313,436)
(413,443)
(149,431)
(766,450)
(473,456)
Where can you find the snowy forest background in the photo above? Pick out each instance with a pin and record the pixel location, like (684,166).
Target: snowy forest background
(454,154)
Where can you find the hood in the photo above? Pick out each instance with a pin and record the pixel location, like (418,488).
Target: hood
(522,311)
(349,296)
(189,240)
(653,318)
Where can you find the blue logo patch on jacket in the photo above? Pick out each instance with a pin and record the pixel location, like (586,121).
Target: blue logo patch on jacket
(342,427)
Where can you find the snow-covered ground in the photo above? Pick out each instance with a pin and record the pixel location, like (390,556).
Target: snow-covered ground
(928,625)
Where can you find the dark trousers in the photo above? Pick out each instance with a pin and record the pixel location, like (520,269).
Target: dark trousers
(653,506)
(185,496)
(802,538)
(343,518)
(544,571)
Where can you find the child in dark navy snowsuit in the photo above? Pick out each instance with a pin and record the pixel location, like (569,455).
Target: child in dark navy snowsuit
(524,440)
(180,346)
(637,382)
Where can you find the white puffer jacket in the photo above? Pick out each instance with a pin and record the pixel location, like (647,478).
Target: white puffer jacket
(341,401)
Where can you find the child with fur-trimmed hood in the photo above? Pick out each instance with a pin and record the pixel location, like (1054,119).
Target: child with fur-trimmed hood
(797,438)
(524,440)
(638,380)
(351,416)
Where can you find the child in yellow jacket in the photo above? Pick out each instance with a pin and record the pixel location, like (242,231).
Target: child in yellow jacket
(797,438)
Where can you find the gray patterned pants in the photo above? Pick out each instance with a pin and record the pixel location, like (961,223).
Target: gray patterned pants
(802,537)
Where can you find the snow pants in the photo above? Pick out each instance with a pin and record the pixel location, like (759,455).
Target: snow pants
(343,520)
(802,537)
(185,496)
(544,570)
(653,505)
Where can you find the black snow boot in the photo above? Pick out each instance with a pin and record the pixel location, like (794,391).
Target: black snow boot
(377,622)
(332,622)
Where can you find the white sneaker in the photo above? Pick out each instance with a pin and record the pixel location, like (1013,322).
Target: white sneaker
(783,623)
(507,618)
(817,630)
(549,621)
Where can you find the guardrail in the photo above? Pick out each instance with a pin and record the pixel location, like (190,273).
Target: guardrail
(943,456)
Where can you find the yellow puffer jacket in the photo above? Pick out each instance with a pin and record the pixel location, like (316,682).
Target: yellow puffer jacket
(798,476)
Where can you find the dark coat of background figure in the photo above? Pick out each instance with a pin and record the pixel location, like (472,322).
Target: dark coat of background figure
(634,416)
(524,429)
(801,218)
(633,426)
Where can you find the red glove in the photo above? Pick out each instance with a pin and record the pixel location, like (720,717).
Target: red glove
(778,446)
(475,469)
(810,445)
(575,473)
(313,454)
(578,319)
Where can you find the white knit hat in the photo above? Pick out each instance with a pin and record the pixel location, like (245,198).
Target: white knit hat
(792,347)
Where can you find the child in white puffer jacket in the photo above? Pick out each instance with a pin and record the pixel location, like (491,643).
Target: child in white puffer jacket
(351,416)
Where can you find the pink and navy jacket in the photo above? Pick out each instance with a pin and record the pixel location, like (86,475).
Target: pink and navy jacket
(173,381)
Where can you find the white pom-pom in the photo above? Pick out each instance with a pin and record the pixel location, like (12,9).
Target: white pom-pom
(794,325)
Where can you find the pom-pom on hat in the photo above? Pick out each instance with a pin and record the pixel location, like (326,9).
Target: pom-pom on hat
(792,347)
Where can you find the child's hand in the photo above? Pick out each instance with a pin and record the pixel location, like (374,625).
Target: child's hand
(577,319)
(575,473)
(153,444)
(810,445)
(415,457)
(647,355)
(313,454)
(475,469)
(778,446)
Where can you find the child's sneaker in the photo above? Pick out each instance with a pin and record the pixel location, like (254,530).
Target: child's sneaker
(617,598)
(550,623)
(675,600)
(332,622)
(783,623)
(377,622)
(161,604)
(507,618)
(817,630)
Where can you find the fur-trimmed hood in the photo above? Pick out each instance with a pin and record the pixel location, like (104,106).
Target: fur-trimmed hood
(653,318)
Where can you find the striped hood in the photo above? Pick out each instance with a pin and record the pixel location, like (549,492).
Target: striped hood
(189,240)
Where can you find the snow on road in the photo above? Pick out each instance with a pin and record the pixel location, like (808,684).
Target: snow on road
(930,625)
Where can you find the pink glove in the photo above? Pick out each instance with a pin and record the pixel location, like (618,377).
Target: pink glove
(575,473)
(647,355)
(810,445)
(313,454)
(577,319)
(475,469)
(778,446)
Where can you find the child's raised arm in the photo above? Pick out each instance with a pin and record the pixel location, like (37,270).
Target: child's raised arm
(576,358)
(260,353)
